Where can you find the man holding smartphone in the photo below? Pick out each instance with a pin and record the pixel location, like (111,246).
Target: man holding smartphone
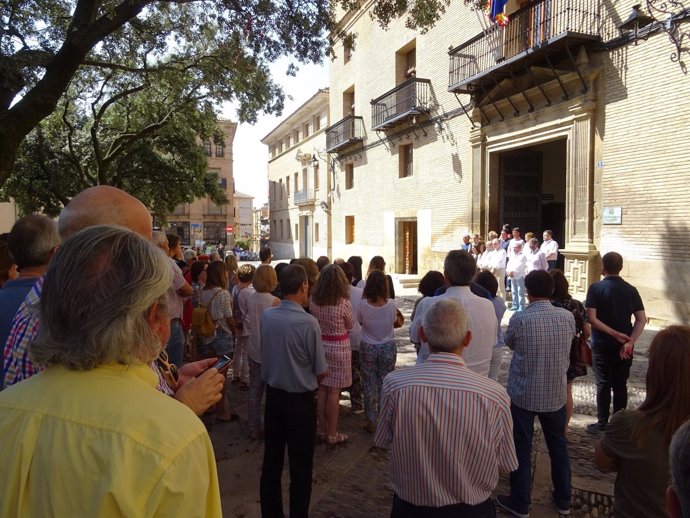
(292,364)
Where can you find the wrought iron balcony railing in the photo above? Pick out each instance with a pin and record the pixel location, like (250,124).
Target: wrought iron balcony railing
(539,25)
(406,100)
(304,197)
(344,133)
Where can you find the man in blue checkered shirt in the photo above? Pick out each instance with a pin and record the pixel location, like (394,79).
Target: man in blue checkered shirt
(540,337)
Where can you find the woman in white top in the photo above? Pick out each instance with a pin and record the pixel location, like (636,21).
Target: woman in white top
(218,302)
(264,283)
(377,353)
(240,295)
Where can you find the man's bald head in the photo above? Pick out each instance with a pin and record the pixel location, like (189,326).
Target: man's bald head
(104,205)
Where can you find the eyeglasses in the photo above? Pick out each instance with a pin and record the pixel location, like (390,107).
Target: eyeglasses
(169,370)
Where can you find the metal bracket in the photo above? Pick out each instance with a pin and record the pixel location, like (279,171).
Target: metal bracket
(577,68)
(534,80)
(555,74)
(464,109)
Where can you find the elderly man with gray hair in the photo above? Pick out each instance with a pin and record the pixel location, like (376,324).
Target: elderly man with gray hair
(678,494)
(445,474)
(32,243)
(90,435)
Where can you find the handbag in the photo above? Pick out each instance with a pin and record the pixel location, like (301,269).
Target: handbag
(580,351)
(399,319)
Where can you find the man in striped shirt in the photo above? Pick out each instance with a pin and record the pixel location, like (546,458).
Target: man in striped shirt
(448,428)
(541,336)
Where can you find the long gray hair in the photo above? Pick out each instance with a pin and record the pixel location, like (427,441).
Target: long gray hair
(96,298)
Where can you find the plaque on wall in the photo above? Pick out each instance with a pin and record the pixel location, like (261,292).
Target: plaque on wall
(612,216)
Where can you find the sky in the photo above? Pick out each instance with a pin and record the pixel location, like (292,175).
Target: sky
(250,167)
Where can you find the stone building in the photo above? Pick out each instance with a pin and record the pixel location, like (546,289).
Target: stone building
(299,182)
(566,119)
(202,220)
(243,212)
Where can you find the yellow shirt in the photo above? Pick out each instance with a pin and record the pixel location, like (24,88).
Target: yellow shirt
(102,443)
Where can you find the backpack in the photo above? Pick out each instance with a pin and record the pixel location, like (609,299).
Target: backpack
(237,314)
(202,323)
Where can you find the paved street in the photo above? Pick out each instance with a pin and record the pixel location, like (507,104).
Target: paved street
(351,481)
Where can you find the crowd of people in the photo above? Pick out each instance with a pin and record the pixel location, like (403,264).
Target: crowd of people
(112,333)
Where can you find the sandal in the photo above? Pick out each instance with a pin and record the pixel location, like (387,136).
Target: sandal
(335,440)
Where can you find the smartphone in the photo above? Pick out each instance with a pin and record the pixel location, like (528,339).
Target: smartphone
(222,362)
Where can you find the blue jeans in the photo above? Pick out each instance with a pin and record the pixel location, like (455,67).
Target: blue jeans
(175,345)
(553,427)
(222,343)
(517,287)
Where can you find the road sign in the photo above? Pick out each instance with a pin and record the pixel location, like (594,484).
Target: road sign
(229,229)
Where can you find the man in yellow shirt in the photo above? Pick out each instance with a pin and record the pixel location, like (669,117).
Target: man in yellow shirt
(90,435)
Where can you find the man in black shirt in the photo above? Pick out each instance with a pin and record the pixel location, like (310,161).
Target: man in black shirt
(610,305)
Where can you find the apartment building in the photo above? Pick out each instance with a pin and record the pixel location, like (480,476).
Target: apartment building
(300,182)
(202,221)
(568,118)
(243,211)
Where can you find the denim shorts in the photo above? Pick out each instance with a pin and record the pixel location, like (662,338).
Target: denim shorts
(222,343)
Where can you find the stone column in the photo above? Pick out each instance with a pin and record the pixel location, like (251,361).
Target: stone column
(580,253)
(479,192)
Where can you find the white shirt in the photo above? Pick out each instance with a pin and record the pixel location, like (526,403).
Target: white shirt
(481,321)
(550,249)
(356,332)
(513,243)
(377,321)
(517,264)
(497,260)
(536,260)
(256,304)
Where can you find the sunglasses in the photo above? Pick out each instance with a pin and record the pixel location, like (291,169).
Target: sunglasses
(169,370)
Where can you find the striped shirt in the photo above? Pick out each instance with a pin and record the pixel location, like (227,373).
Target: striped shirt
(541,336)
(18,364)
(449,431)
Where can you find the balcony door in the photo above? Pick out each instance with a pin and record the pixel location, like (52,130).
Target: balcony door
(305,237)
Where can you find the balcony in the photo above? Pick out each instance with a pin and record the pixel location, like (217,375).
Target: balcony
(407,100)
(304,197)
(542,33)
(344,133)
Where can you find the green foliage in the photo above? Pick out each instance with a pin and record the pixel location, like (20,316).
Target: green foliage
(82,56)
(242,243)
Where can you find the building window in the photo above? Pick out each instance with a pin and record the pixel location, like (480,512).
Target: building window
(214,232)
(406,62)
(296,182)
(405,156)
(274,232)
(207,147)
(349,101)
(287,185)
(181,228)
(316,232)
(223,183)
(295,136)
(296,230)
(317,123)
(220,150)
(288,230)
(347,54)
(280,184)
(213,209)
(305,130)
(349,230)
(281,229)
(349,176)
(180,210)
(316,176)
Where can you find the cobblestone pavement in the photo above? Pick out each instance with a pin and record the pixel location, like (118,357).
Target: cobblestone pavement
(351,481)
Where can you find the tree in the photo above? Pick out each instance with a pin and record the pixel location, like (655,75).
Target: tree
(45,44)
(134,143)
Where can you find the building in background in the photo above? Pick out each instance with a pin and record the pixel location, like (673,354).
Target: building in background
(299,182)
(8,215)
(261,232)
(559,120)
(202,221)
(243,210)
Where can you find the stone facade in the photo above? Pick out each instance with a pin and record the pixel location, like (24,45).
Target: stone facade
(595,132)
(243,212)
(299,186)
(202,221)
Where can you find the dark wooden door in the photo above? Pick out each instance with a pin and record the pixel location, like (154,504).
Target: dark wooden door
(520,181)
